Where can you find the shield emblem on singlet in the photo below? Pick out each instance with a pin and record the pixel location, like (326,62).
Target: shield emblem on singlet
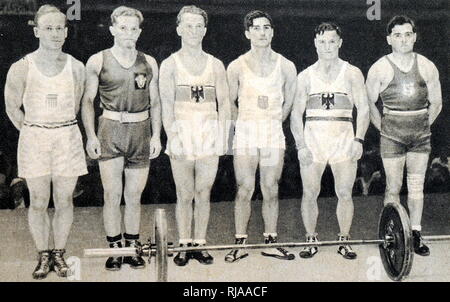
(327,100)
(140,80)
(51,100)
(408,89)
(263,101)
(197,94)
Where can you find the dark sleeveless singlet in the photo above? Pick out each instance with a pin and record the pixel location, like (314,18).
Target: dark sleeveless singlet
(124,89)
(406,92)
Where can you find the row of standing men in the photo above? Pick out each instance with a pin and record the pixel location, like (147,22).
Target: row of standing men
(195,98)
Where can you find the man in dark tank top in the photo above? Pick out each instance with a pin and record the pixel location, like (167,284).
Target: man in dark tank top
(127,138)
(410,91)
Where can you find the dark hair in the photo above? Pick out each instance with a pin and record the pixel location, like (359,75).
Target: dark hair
(248,19)
(399,20)
(327,26)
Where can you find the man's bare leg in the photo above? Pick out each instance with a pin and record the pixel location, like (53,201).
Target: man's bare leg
(271,165)
(135,181)
(270,176)
(344,177)
(111,175)
(38,219)
(205,174)
(39,222)
(244,168)
(311,181)
(393,168)
(63,188)
(183,174)
(245,164)
(416,166)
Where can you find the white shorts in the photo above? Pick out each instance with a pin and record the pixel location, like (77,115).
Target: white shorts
(329,141)
(56,151)
(260,134)
(197,136)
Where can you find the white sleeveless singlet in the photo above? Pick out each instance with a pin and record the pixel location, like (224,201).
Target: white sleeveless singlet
(260,101)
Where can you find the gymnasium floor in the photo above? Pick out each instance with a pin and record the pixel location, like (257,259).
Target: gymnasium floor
(18,256)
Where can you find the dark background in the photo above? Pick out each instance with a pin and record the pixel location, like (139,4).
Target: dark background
(294,20)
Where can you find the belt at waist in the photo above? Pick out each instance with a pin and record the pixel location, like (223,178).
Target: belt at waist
(126,117)
(409,112)
(329,118)
(50,125)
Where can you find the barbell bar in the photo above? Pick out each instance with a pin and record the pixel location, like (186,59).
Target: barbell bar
(394,230)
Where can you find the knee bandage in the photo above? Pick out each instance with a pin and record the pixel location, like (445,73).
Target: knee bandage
(415,185)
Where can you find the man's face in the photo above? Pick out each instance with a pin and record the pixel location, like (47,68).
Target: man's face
(260,33)
(328,44)
(126,31)
(191,29)
(402,38)
(51,30)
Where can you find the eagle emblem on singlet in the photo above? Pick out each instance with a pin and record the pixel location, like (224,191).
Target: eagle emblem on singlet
(140,80)
(197,94)
(327,100)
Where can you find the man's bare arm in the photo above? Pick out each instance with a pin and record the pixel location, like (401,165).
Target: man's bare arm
(233,85)
(93,67)
(361,102)
(298,109)
(373,88)
(223,102)
(14,90)
(167,94)
(155,106)
(289,88)
(79,72)
(434,91)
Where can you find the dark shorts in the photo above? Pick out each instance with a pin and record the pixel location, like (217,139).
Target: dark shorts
(391,148)
(128,140)
(402,134)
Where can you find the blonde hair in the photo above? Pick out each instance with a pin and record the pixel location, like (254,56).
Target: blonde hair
(47,9)
(193,10)
(126,11)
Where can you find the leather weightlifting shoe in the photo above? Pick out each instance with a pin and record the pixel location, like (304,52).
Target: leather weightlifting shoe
(44,265)
(278,253)
(419,247)
(59,264)
(309,251)
(182,258)
(135,262)
(201,256)
(346,250)
(114,263)
(237,254)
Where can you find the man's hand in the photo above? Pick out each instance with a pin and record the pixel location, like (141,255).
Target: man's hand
(357,150)
(305,156)
(155,147)
(93,147)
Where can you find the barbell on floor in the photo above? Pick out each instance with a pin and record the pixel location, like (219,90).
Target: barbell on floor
(394,231)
